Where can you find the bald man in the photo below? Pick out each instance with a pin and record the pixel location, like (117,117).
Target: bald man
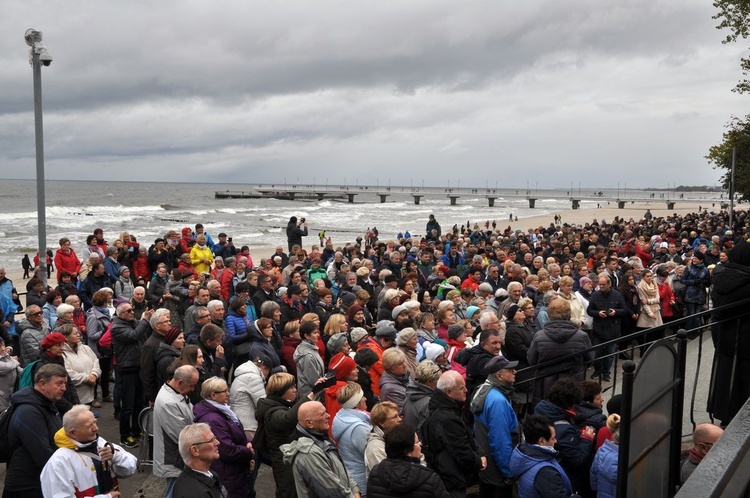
(704,437)
(313,456)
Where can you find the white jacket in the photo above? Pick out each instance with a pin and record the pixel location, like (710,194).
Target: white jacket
(248,387)
(80,364)
(172,412)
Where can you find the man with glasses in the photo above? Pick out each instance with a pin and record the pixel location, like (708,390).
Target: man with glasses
(202,298)
(201,317)
(199,448)
(496,426)
(160,324)
(704,438)
(32,331)
(128,335)
(172,412)
(607,307)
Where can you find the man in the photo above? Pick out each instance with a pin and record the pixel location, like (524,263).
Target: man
(172,412)
(158,254)
(291,309)
(200,317)
(496,426)
(199,230)
(534,462)
(316,464)
(611,270)
(32,332)
(224,248)
(476,357)
(199,448)
(32,430)
(453,259)
(73,471)
(214,290)
(264,293)
(515,292)
(295,231)
(202,298)
(140,305)
(209,341)
(704,438)
(128,335)
(94,281)
(447,441)
(160,324)
(697,279)
(607,307)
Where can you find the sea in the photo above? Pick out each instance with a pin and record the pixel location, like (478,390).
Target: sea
(148,210)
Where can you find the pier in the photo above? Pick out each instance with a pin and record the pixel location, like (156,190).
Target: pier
(350,192)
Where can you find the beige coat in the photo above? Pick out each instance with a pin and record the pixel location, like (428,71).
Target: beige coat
(577,313)
(80,364)
(649,313)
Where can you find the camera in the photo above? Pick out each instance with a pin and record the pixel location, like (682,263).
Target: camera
(44,57)
(229,239)
(302,220)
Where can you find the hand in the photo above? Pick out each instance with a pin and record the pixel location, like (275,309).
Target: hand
(92,379)
(249,446)
(220,351)
(603,314)
(106,453)
(484,463)
(148,314)
(114,494)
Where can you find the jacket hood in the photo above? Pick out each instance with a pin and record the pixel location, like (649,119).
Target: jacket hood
(28,395)
(401,477)
(376,434)
(254,333)
(346,419)
(466,354)
(305,347)
(416,391)
(526,455)
(165,350)
(247,368)
(301,445)
(388,378)
(271,402)
(552,412)
(560,331)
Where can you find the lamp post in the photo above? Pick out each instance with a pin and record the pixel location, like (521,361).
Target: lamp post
(38,55)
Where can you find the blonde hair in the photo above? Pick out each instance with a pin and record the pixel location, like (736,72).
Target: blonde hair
(613,424)
(347,391)
(392,357)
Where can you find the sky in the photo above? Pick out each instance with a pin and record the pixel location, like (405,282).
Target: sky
(554,92)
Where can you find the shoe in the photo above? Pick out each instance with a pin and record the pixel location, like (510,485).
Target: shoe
(607,378)
(96,404)
(129,442)
(108,399)
(136,435)
(595,375)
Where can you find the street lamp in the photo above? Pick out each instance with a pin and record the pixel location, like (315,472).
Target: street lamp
(38,55)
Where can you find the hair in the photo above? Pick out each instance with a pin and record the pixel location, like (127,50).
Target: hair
(365,358)
(566,280)
(212,305)
(236,304)
(334,323)
(211,385)
(346,392)
(565,393)
(427,371)
(392,357)
(189,436)
(184,373)
(323,292)
(613,424)
(72,298)
(448,380)
(485,335)
(308,328)
(64,308)
(559,309)
(209,332)
(100,298)
(46,372)
(536,427)
(198,310)
(484,319)
(589,390)
(443,312)
(548,297)
(290,328)
(188,356)
(72,417)
(268,308)
(67,329)
(278,383)
(525,301)
(380,411)
(515,284)
(52,295)
(422,317)
(308,317)
(399,440)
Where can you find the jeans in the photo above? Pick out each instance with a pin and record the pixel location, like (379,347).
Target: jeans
(131,402)
(603,365)
(695,322)
(171,481)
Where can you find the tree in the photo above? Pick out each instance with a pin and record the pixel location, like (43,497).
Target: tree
(736,137)
(735,16)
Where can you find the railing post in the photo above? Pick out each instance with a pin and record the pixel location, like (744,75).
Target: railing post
(677,406)
(623,459)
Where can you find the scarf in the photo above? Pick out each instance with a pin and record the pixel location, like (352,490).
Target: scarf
(104,311)
(477,403)
(225,410)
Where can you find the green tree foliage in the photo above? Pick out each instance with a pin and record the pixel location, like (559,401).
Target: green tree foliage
(737,136)
(734,15)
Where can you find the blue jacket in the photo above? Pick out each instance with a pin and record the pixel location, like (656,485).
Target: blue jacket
(696,280)
(237,326)
(499,421)
(604,470)
(112,267)
(539,475)
(350,430)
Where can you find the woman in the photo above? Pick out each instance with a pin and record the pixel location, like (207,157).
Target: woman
(81,363)
(518,337)
(10,369)
(445,317)
(277,417)
(201,256)
(407,341)
(52,352)
(419,392)
(576,308)
(235,451)
(261,343)
(272,311)
(400,474)
(169,350)
(395,377)
(79,317)
(356,317)
(54,299)
(425,323)
(124,285)
(291,340)
(336,324)
(425,301)
(66,260)
(350,428)
(238,327)
(585,288)
(249,387)
(190,355)
(649,316)
(627,325)
(157,288)
(383,417)
(98,319)
(604,467)
(66,287)
(310,365)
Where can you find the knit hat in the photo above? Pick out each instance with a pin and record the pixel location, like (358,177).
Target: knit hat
(411,304)
(405,336)
(362,271)
(470,311)
(584,280)
(386,331)
(390,278)
(398,310)
(171,335)
(357,334)
(336,342)
(432,351)
(353,309)
(455,331)
(511,311)
(347,298)
(342,365)
(485,287)
(52,339)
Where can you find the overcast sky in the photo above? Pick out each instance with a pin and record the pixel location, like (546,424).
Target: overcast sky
(223,91)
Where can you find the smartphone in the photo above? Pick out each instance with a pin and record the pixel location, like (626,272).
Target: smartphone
(329,382)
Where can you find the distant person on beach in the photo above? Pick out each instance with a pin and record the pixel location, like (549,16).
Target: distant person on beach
(26,264)
(433,231)
(295,231)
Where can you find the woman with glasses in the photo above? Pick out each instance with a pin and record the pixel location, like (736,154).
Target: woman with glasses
(236,456)
(383,417)
(81,363)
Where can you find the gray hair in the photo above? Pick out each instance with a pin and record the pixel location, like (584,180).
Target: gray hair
(64,308)
(448,380)
(427,371)
(157,315)
(189,436)
(211,385)
(484,319)
(212,305)
(184,373)
(197,311)
(31,308)
(548,297)
(268,308)
(515,284)
(118,310)
(72,417)
(46,372)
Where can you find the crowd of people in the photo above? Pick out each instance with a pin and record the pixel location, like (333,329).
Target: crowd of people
(380,369)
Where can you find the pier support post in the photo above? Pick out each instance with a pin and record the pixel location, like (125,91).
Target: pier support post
(670,205)
(576,203)
(453,199)
(320,195)
(383,197)
(620,204)
(351,198)
(532,202)
(491,201)
(290,195)
(417,198)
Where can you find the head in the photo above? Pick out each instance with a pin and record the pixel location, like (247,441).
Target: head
(215,389)
(565,393)
(394,362)
(80,424)
(198,446)
(50,381)
(453,385)
(538,429)
(184,379)
(705,436)
(385,415)
(402,441)
(211,336)
(490,341)
(313,416)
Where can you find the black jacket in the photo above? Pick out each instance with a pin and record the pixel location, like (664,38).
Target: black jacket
(607,328)
(164,357)
(127,338)
(32,432)
(294,234)
(474,359)
(448,443)
(404,477)
(192,484)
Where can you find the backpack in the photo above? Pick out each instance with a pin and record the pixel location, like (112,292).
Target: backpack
(104,344)
(5,448)
(26,379)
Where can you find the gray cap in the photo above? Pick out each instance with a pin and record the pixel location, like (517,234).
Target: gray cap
(357,334)
(498,363)
(336,342)
(386,331)
(398,310)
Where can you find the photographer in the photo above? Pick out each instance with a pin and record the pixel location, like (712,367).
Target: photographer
(295,231)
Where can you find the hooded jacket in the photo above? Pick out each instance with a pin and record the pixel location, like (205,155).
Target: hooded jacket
(31,340)
(539,475)
(350,429)
(80,364)
(404,477)
(172,412)
(604,470)
(474,359)
(309,366)
(165,355)
(127,338)
(248,388)
(416,407)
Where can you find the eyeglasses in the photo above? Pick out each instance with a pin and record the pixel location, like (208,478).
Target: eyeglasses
(37,313)
(164,321)
(204,316)
(221,392)
(129,310)
(210,441)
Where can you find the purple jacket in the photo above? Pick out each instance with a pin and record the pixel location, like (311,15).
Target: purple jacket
(234,457)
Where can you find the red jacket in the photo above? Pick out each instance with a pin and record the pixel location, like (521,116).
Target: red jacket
(67,262)
(140,267)
(666,298)
(226,283)
(376,372)
(287,353)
